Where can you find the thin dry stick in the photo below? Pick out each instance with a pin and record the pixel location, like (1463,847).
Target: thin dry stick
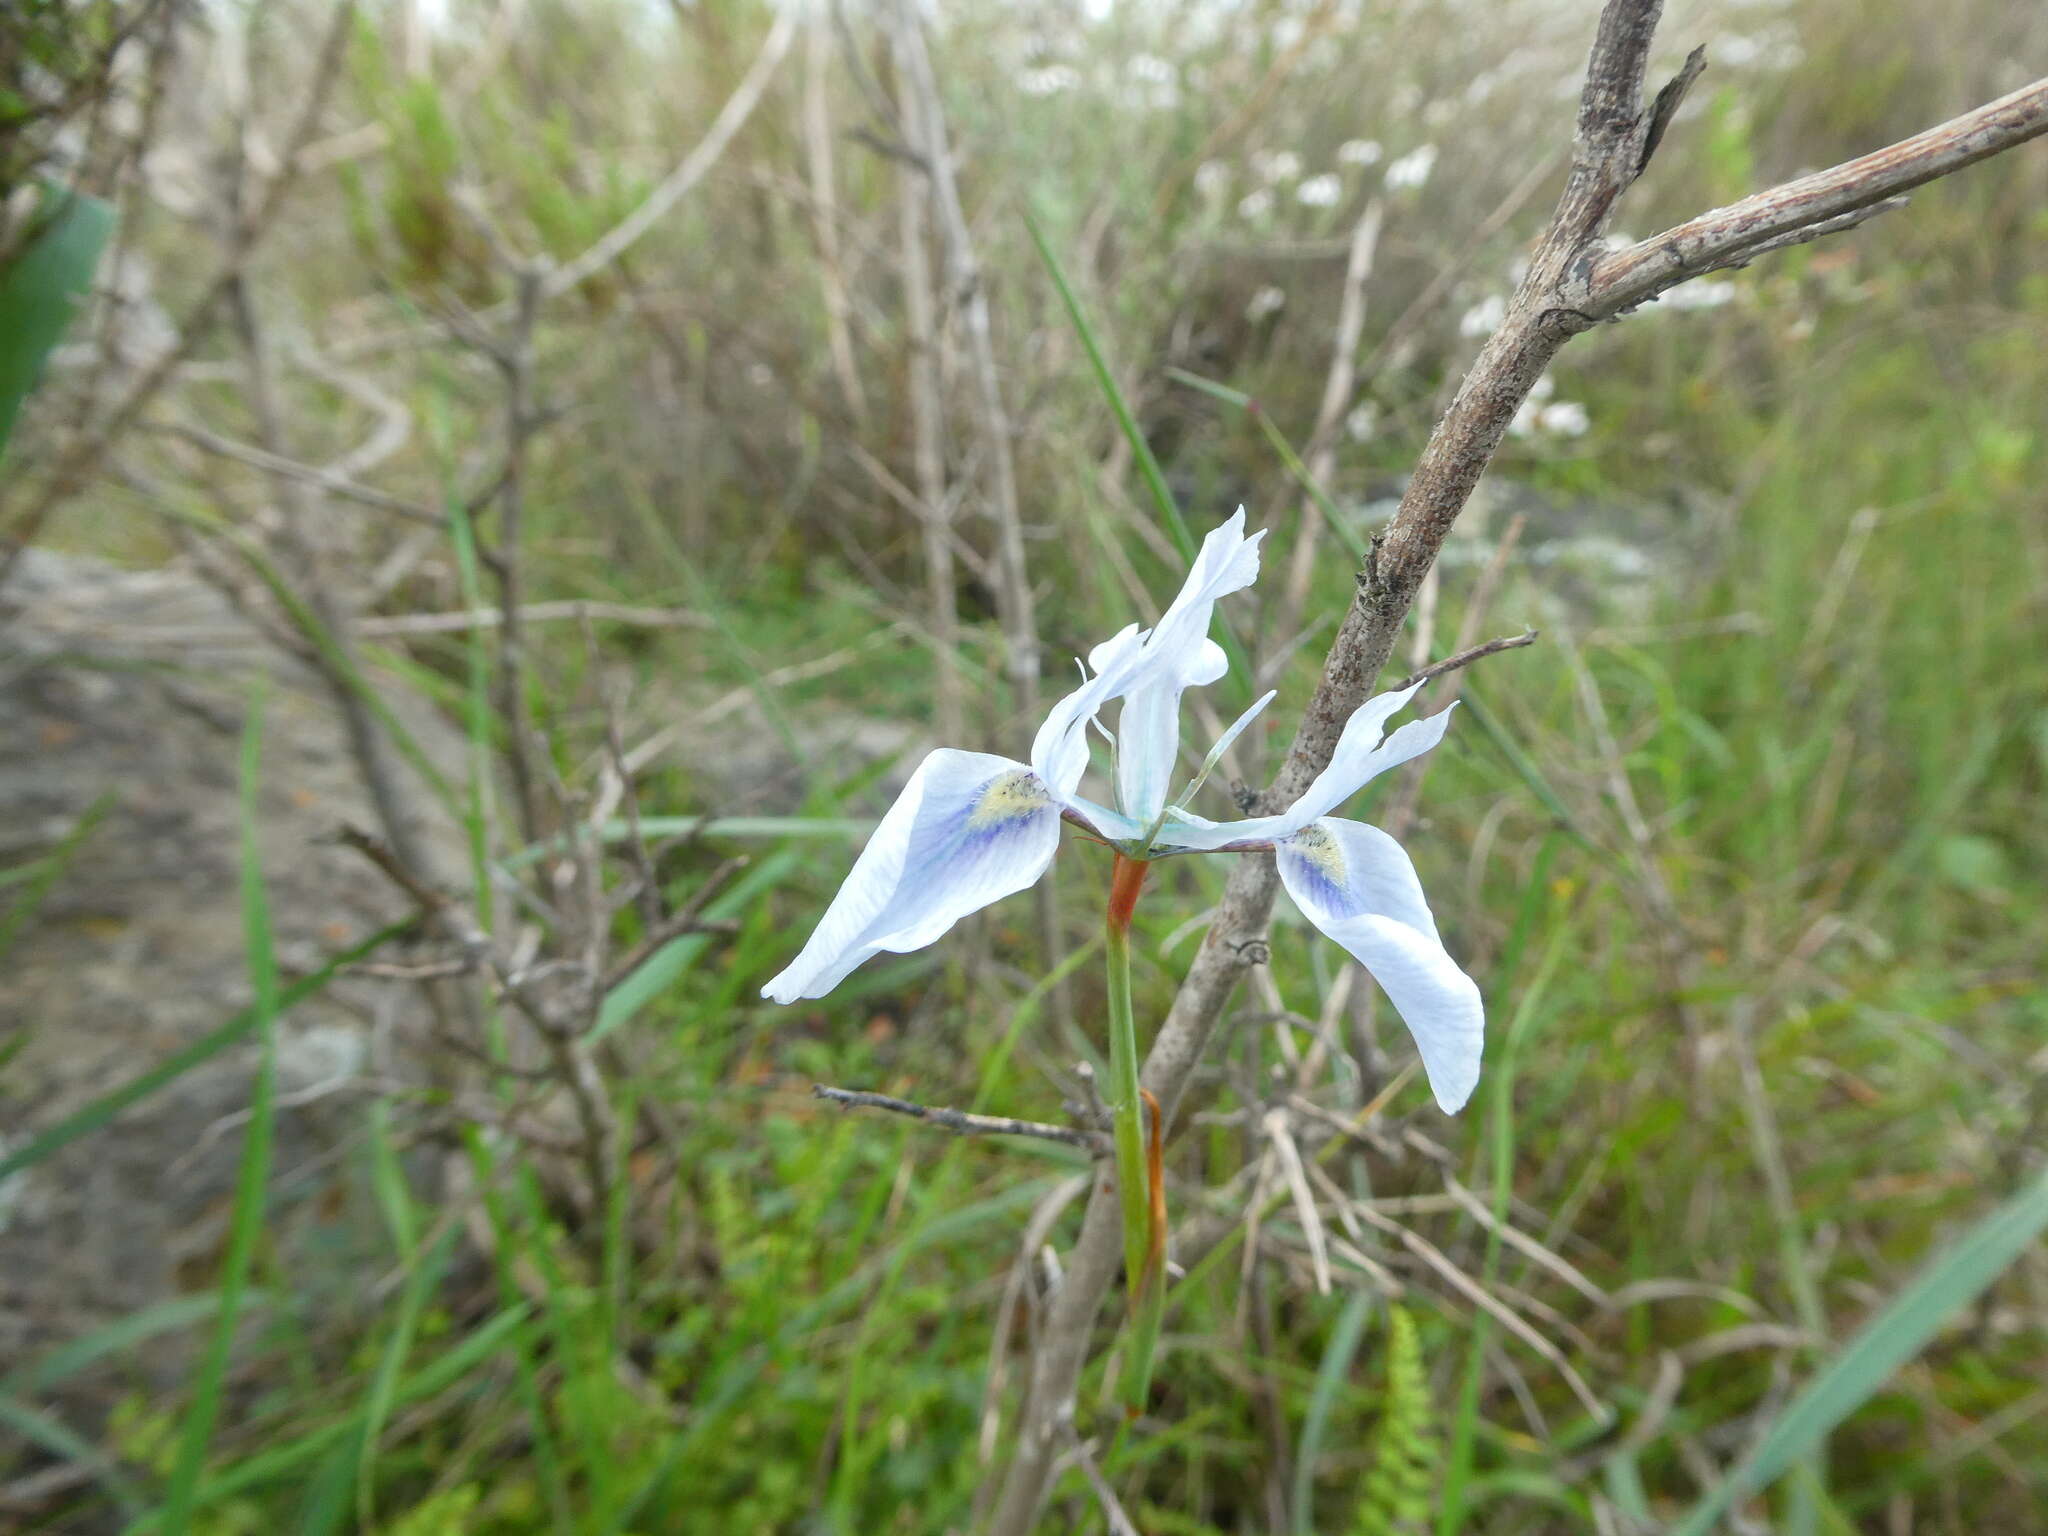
(515,706)
(371,748)
(1015,604)
(1824,203)
(301,536)
(964,281)
(577,610)
(1113,1514)
(927,429)
(618,784)
(398,626)
(1321,453)
(1548,308)
(687,919)
(1279,1133)
(1036,1231)
(825,216)
(1450,272)
(688,172)
(1401,814)
(961,1123)
(1435,1258)
(328,480)
(1466,657)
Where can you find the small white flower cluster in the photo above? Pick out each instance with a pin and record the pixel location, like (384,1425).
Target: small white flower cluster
(1274,170)
(1048,80)
(1276,165)
(1484,318)
(1412,170)
(1773,46)
(1542,416)
(1701,293)
(1322,191)
(1155,81)
(1266,302)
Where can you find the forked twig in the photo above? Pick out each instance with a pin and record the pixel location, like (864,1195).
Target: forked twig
(1466,657)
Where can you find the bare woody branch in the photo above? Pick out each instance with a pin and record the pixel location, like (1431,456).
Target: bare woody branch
(1571,285)
(961,1123)
(328,480)
(1829,200)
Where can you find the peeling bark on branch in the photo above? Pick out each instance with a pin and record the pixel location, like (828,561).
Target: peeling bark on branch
(1835,199)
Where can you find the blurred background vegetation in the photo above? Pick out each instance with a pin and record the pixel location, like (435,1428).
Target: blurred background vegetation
(1746,852)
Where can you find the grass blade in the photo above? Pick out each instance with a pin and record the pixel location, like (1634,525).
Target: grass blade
(42,287)
(1141,451)
(1331,1375)
(59,1439)
(424,1270)
(277,1461)
(46,871)
(1148,462)
(666,965)
(1333,519)
(83,1122)
(1899,1332)
(115,1338)
(246,1225)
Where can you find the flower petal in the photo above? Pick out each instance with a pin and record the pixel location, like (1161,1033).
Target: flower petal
(1155,664)
(1207,664)
(1356,884)
(1110,826)
(1227,562)
(1361,757)
(969,829)
(1147,748)
(1059,752)
(1179,655)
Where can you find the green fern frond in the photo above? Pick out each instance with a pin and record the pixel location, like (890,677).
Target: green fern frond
(1396,1499)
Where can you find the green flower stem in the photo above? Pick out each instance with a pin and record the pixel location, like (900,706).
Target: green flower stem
(1143,1243)
(1126,1111)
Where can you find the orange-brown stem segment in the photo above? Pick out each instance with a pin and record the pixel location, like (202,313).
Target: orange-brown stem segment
(1125,882)
(1155,1180)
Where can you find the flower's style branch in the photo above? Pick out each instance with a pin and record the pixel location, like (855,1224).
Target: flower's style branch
(961,1123)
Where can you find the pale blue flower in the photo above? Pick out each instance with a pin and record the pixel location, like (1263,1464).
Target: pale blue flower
(970,827)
